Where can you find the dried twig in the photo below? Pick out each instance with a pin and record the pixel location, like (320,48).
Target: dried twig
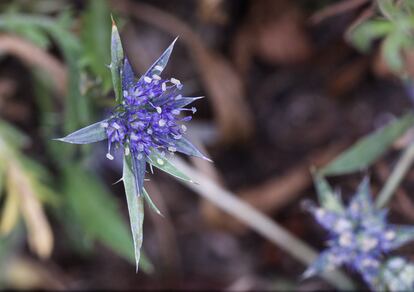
(337,8)
(260,223)
(274,194)
(35,56)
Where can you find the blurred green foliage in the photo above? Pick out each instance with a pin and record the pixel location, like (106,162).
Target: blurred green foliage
(394,28)
(74,194)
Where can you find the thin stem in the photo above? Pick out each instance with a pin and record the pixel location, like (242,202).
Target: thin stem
(398,173)
(258,222)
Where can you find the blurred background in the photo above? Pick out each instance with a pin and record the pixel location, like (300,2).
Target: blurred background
(286,89)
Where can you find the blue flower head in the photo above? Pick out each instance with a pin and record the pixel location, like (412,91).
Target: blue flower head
(359,235)
(148,123)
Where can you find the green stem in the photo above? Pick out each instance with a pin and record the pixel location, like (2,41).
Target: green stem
(262,224)
(398,173)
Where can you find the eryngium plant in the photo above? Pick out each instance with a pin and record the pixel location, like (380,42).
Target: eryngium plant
(147,125)
(359,237)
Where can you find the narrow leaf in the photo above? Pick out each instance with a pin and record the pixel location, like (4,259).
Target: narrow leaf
(326,196)
(184,101)
(161,62)
(90,134)
(186,147)
(128,76)
(164,164)
(151,203)
(139,166)
(95,210)
(135,207)
(117,55)
(368,149)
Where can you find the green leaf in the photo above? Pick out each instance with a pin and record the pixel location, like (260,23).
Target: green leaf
(186,147)
(368,149)
(392,51)
(364,34)
(326,196)
(95,39)
(160,64)
(164,164)
(95,209)
(12,136)
(135,207)
(388,9)
(117,56)
(151,203)
(90,134)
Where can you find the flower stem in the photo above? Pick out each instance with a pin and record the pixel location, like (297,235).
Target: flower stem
(398,173)
(258,222)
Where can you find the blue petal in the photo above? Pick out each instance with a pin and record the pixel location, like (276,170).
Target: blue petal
(399,235)
(182,102)
(138,166)
(90,134)
(361,204)
(326,261)
(128,75)
(161,63)
(184,146)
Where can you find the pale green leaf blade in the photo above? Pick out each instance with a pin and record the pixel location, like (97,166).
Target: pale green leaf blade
(90,134)
(327,198)
(151,203)
(95,210)
(135,207)
(117,56)
(162,163)
(369,148)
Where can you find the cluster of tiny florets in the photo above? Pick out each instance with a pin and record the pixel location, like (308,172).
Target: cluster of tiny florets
(148,118)
(359,237)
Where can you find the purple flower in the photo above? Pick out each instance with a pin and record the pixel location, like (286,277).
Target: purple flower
(359,236)
(149,121)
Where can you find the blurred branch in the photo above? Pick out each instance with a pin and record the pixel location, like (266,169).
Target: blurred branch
(32,55)
(335,9)
(257,221)
(398,173)
(274,194)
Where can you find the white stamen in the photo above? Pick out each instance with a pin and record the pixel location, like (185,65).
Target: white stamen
(390,235)
(172,149)
(160,161)
(162,123)
(184,128)
(116,126)
(109,156)
(341,225)
(149,131)
(159,110)
(178,97)
(193,109)
(345,239)
(370,263)
(133,137)
(164,86)
(158,67)
(156,77)
(125,93)
(140,156)
(104,125)
(127,151)
(175,81)
(175,112)
(369,243)
(147,79)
